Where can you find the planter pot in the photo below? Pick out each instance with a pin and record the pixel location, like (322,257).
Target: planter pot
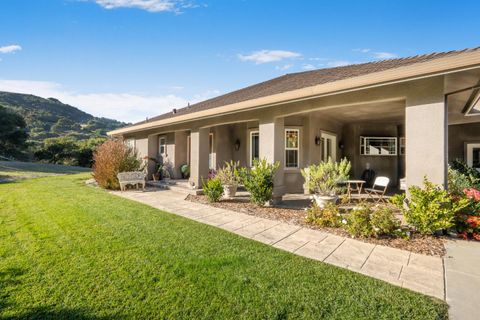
(323,200)
(229,191)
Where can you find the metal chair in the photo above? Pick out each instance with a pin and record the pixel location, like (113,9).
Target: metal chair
(378,190)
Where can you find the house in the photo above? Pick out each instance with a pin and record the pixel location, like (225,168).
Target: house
(404,117)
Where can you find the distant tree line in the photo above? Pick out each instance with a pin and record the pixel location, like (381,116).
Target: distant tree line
(67,150)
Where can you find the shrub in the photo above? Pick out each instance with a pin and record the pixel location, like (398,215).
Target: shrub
(358,222)
(325,177)
(384,221)
(258,180)
(111,158)
(367,221)
(457,182)
(228,175)
(329,216)
(212,189)
(398,200)
(472,174)
(432,208)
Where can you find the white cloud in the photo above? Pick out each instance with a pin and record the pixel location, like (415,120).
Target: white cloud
(265,56)
(148,5)
(339,63)
(364,50)
(384,55)
(10,49)
(308,67)
(128,107)
(284,67)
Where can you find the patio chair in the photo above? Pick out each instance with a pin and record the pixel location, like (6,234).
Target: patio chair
(377,191)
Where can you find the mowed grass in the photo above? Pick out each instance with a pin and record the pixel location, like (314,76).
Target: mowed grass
(16,170)
(72,251)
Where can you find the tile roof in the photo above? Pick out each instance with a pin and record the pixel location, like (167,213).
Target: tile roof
(299,80)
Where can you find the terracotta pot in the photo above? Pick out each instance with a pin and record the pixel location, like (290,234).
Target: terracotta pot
(323,200)
(229,190)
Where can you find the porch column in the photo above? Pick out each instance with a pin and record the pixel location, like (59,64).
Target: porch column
(272,148)
(426,134)
(198,156)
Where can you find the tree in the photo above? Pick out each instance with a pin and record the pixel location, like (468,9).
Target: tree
(58,151)
(13,134)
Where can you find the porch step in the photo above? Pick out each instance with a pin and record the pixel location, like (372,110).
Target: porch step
(181,186)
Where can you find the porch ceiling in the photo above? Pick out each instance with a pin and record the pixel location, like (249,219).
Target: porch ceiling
(456,102)
(393,111)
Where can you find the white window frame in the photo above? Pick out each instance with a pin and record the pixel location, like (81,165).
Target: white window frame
(130,142)
(188,149)
(160,138)
(469,146)
(332,136)
(251,132)
(290,148)
(402,146)
(212,163)
(365,152)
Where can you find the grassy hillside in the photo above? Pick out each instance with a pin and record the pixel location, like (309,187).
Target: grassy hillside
(50,118)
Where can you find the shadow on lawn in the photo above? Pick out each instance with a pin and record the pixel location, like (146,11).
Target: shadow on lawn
(10,278)
(54,313)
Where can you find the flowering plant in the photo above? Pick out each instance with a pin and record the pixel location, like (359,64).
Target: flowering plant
(468,221)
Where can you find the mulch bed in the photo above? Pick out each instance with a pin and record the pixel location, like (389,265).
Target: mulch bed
(429,245)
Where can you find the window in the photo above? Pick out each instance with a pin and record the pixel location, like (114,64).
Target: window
(402,146)
(254,146)
(473,155)
(162,146)
(130,143)
(329,146)
(188,150)
(292,144)
(378,146)
(211,154)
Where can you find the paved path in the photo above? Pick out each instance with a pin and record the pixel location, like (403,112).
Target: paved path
(462,270)
(417,272)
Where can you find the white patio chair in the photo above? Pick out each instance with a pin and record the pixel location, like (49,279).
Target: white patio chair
(378,190)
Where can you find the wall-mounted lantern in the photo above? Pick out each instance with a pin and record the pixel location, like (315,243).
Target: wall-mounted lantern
(237,145)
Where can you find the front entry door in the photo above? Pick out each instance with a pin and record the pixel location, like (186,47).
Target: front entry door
(329,146)
(473,155)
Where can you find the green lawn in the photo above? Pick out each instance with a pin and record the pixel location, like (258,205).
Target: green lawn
(72,251)
(16,170)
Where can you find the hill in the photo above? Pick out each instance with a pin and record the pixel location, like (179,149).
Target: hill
(50,118)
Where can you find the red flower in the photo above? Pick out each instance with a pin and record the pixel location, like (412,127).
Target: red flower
(463,235)
(476,236)
(472,193)
(473,221)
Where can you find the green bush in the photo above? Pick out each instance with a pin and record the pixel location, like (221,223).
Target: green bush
(325,177)
(359,222)
(384,221)
(213,189)
(458,181)
(367,221)
(258,180)
(329,216)
(397,200)
(472,174)
(432,208)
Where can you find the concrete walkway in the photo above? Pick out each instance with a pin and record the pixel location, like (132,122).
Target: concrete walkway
(421,273)
(462,273)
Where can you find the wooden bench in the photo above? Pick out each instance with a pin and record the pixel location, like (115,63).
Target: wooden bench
(131,178)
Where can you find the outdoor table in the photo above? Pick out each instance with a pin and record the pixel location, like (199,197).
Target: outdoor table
(352,186)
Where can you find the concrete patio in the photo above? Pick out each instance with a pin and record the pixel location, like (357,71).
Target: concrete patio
(421,273)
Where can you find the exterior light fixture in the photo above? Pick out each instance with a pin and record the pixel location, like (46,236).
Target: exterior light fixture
(317,140)
(237,145)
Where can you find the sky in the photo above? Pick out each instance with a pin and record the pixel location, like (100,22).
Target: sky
(132,59)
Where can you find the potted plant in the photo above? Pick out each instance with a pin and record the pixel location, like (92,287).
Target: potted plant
(325,178)
(228,175)
(157,173)
(185,171)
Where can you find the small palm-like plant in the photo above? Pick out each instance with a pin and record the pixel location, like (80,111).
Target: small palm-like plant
(325,178)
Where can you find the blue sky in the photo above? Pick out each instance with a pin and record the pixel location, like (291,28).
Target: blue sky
(129,59)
